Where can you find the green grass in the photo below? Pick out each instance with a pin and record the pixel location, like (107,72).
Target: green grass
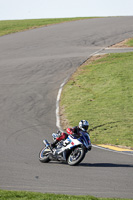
(12,26)
(102,93)
(19,195)
(130,42)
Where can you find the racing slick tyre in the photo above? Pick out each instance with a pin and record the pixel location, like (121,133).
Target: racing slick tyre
(44,155)
(76,156)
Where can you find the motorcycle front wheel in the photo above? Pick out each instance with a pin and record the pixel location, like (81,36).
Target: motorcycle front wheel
(44,155)
(76,156)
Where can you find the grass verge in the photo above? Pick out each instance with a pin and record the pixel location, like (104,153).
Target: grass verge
(22,195)
(129,43)
(102,93)
(12,26)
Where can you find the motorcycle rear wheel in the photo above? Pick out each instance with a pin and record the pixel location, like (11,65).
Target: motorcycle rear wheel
(44,155)
(76,156)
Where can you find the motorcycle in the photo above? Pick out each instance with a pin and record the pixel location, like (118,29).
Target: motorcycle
(71,150)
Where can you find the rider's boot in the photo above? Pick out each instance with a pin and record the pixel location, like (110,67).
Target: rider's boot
(53,145)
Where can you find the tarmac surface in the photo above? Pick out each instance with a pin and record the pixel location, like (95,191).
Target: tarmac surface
(33,65)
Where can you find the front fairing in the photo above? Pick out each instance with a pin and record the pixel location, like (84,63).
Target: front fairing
(85,139)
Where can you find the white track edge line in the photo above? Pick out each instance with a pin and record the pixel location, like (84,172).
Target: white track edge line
(57,104)
(98,147)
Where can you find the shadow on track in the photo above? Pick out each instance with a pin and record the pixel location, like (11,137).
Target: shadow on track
(104,165)
(92,164)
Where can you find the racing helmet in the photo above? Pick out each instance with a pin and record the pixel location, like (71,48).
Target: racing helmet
(83,125)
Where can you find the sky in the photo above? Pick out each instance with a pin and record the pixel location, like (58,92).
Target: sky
(35,9)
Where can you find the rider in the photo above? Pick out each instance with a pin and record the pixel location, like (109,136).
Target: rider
(75,131)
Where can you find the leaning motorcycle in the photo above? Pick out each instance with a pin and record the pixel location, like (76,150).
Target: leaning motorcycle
(71,150)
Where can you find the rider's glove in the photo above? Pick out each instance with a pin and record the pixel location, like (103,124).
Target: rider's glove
(59,133)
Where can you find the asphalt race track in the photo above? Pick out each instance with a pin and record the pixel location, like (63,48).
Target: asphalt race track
(33,64)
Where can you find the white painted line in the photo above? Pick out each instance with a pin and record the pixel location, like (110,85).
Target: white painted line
(113,48)
(57,104)
(95,146)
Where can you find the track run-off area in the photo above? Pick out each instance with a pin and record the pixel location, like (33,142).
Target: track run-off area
(33,65)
